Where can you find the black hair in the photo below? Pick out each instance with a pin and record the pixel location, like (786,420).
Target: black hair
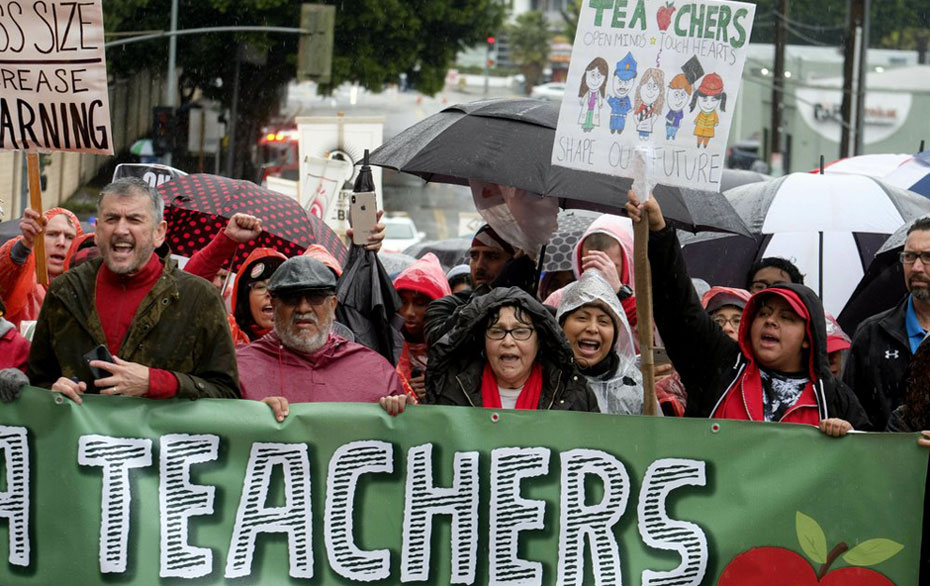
(460,278)
(919,224)
(782,264)
(700,94)
(2,307)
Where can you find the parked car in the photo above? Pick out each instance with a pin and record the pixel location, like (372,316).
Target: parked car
(399,234)
(554,90)
(743,154)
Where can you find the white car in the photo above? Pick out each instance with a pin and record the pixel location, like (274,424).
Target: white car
(399,233)
(554,90)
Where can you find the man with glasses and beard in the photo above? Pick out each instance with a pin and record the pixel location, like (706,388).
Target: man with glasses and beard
(301,360)
(884,344)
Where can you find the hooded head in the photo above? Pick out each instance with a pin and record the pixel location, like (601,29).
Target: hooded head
(726,305)
(619,245)
(837,344)
(83,249)
(320,253)
(784,329)
(60,231)
(583,303)
(250,300)
(419,284)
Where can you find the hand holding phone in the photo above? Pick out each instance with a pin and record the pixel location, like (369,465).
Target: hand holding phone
(102,353)
(363,216)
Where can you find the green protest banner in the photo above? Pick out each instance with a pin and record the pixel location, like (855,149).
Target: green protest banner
(122,491)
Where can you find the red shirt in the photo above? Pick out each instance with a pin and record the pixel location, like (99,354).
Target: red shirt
(117,300)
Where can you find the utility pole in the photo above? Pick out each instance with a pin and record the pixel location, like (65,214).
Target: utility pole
(776,158)
(854,68)
(172,60)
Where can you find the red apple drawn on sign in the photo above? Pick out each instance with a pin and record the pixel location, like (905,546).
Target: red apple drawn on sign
(664,15)
(776,566)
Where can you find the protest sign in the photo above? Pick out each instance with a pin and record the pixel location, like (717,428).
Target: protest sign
(53,77)
(152,173)
(139,491)
(655,74)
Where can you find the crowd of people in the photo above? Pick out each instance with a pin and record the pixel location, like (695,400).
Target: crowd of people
(120,317)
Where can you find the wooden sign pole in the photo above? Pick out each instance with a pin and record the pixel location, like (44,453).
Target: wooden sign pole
(644,312)
(35,202)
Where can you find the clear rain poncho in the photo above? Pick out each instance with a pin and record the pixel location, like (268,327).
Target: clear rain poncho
(619,391)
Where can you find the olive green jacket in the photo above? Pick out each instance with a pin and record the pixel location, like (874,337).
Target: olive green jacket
(180,327)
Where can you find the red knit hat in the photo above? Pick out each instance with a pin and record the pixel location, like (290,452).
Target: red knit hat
(711,85)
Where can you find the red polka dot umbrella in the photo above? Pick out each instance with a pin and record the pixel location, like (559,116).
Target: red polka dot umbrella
(198,206)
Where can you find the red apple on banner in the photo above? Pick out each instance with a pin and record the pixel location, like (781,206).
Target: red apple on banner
(777,566)
(664,15)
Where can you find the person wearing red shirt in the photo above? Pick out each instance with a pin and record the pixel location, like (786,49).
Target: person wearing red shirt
(165,329)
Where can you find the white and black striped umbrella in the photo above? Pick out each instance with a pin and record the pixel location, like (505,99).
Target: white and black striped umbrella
(830,226)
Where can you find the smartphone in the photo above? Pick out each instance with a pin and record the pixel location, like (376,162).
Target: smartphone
(363,216)
(101,352)
(660,356)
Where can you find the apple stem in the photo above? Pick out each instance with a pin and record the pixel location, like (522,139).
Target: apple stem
(836,552)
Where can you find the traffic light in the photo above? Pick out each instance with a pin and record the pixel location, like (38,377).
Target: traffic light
(315,51)
(491,40)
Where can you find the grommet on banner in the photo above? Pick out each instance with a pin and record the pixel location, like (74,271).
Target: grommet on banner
(59,399)
(495,417)
(715,428)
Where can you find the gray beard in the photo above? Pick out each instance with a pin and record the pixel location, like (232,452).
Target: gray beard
(921,293)
(300,342)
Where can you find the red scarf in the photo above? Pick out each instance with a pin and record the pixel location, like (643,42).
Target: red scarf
(529,396)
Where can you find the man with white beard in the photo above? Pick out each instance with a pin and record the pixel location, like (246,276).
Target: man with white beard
(301,360)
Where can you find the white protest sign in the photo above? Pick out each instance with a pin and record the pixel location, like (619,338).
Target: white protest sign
(53,77)
(655,74)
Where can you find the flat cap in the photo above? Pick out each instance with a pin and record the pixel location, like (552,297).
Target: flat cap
(302,273)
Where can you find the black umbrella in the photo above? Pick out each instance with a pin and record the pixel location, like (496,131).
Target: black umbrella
(882,285)
(509,142)
(368,303)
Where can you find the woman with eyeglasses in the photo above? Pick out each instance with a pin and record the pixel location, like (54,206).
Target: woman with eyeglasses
(504,351)
(252,315)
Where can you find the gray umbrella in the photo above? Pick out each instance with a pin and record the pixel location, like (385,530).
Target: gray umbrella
(395,262)
(509,141)
(731,178)
(572,225)
(449,252)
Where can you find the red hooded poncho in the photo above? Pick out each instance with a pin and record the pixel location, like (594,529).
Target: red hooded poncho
(22,295)
(427,277)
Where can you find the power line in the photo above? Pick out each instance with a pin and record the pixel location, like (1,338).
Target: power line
(810,40)
(813,27)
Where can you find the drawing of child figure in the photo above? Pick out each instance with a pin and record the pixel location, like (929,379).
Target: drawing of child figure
(620,106)
(591,93)
(679,91)
(708,97)
(649,101)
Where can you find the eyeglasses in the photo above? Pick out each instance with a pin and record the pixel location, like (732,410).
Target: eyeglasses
(520,334)
(722,321)
(260,287)
(908,257)
(293,298)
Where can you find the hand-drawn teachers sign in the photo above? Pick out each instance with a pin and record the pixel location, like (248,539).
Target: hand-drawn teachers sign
(53,77)
(121,490)
(655,73)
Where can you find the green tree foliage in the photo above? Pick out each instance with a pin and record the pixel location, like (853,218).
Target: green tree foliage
(529,45)
(375,40)
(570,15)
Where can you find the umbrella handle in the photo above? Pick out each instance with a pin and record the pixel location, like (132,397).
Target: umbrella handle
(539,267)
